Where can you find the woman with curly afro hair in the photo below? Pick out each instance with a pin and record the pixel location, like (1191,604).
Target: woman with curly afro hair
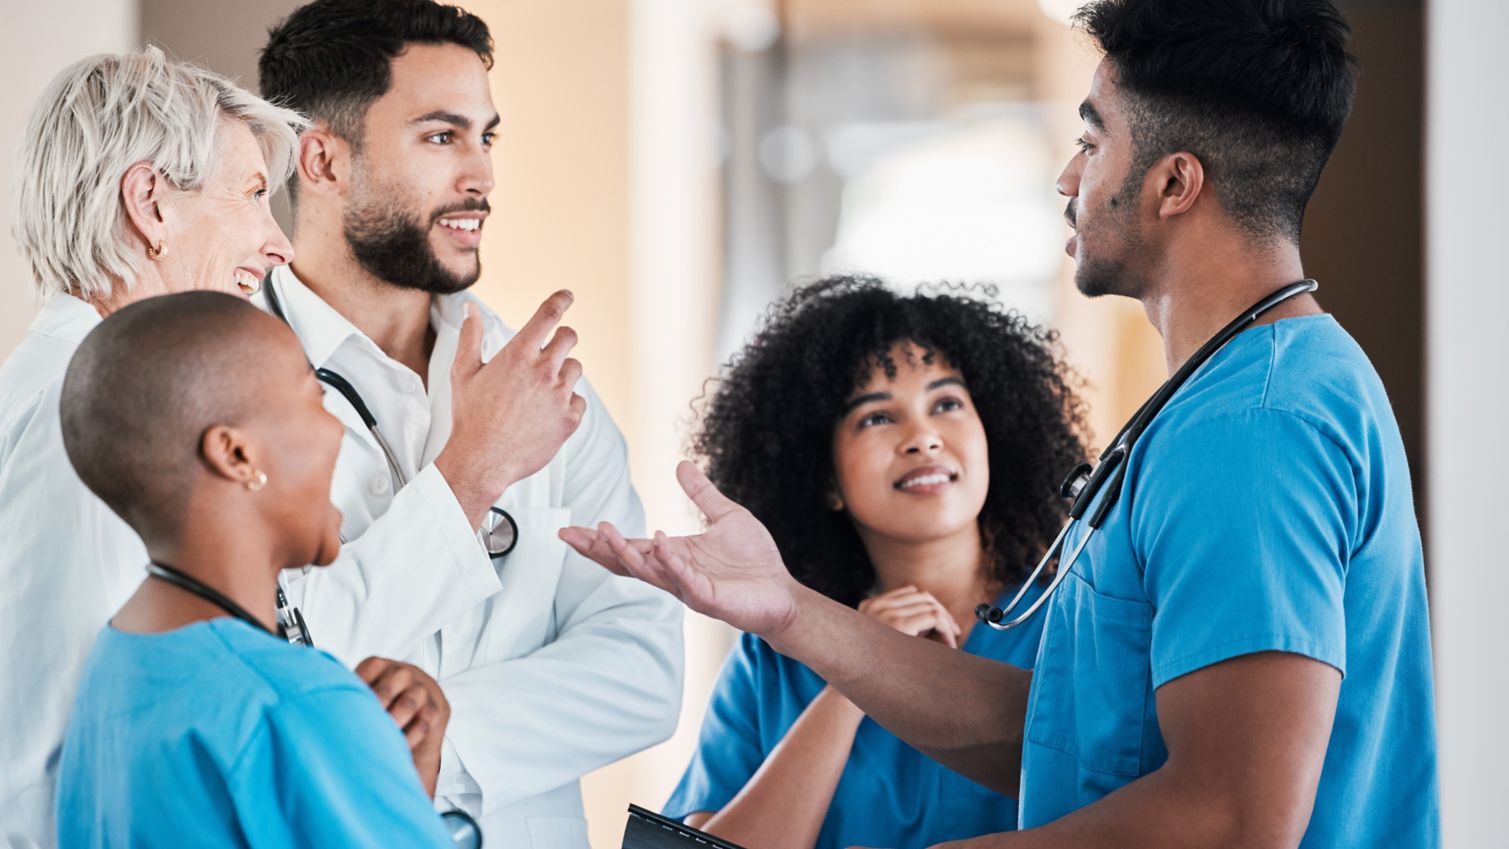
(905,453)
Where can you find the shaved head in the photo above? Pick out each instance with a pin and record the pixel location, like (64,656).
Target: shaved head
(147,384)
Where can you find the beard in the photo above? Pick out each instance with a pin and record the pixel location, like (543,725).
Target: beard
(1106,243)
(393,245)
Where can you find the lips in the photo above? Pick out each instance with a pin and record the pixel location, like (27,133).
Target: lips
(926,479)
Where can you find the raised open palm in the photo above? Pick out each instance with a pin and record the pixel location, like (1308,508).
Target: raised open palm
(732,571)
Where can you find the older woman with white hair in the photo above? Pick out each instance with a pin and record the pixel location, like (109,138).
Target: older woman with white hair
(136,176)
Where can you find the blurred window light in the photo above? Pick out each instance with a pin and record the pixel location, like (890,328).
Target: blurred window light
(1060,10)
(788,154)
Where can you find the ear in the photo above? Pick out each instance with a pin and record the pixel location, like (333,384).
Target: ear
(228,454)
(1180,178)
(835,501)
(142,193)
(323,158)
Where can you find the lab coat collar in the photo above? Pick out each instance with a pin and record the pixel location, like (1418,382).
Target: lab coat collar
(66,317)
(319,327)
(323,330)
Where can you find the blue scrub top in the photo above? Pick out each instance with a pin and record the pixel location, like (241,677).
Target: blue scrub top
(889,794)
(1268,508)
(218,734)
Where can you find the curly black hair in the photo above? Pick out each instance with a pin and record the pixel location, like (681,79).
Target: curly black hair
(766,429)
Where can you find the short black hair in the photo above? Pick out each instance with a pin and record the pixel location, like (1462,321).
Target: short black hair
(145,385)
(331,58)
(1258,90)
(766,430)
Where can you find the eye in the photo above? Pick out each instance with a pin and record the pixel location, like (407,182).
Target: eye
(948,405)
(260,195)
(873,419)
(442,137)
(487,138)
(1084,146)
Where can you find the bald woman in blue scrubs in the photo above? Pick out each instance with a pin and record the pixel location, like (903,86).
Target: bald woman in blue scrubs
(1241,656)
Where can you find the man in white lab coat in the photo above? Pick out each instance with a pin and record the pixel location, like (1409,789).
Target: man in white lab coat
(552,667)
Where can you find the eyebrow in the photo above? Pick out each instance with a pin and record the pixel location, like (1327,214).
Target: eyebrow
(1090,115)
(454,119)
(871,397)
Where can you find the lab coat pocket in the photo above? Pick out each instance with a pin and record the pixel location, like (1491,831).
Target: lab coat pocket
(521,616)
(557,832)
(1090,688)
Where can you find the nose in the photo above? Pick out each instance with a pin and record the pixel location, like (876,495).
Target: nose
(1068,181)
(476,177)
(922,440)
(276,248)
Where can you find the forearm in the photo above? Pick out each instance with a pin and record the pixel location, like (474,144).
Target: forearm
(1162,810)
(606,688)
(903,682)
(414,569)
(784,804)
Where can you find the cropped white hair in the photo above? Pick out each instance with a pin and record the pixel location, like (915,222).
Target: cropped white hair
(96,119)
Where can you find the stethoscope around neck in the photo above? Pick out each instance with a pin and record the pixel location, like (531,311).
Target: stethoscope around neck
(499,533)
(1109,471)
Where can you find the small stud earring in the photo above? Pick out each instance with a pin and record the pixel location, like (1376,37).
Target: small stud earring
(258,480)
(834,502)
(155,253)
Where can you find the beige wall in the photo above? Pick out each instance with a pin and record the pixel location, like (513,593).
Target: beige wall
(36,41)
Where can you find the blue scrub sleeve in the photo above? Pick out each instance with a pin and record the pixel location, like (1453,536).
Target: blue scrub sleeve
(342,774)
(1243,534)
(728,748)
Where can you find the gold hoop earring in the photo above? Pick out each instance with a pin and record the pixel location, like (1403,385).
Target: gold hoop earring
(155,253)
(258,480)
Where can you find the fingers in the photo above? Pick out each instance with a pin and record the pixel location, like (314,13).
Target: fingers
(537,329)
(593,545)
(560,346)
(570,372)
(708,499)
(469,343)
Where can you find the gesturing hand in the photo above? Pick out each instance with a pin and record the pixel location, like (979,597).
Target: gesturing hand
(419,707)
(916,612)
(732,571)
(510,415)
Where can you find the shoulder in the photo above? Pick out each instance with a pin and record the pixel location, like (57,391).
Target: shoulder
(1297,380)
(277,669)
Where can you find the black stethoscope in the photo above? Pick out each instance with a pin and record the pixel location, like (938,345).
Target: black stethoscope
(1109,471)
(499,532)
(463,830)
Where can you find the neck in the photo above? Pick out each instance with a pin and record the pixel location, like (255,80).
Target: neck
(148,284)
(950,569)
(1202,288)
(395,318)
(224,549)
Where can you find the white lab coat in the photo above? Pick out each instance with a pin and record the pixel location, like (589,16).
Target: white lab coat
(553,667)
(67,563)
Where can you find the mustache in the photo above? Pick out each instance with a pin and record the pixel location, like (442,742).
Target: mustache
(1069,215)
(468,205)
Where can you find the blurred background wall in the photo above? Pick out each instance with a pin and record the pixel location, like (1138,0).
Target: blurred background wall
(678,163)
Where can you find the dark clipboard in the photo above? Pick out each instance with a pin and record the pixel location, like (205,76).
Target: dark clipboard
(649,830)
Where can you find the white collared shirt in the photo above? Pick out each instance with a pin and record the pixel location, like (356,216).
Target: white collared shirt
(553,667)
(67,563)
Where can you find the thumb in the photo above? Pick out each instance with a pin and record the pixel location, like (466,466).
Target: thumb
(468,343)
(713,504)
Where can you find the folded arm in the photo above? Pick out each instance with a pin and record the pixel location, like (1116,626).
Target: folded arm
(1246,742)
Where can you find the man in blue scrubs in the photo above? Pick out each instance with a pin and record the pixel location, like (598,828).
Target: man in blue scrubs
(1241,655)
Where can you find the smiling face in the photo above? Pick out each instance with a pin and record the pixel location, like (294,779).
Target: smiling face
(301,441)
(223,236)
(909,454)
(1104,196)
(423,171)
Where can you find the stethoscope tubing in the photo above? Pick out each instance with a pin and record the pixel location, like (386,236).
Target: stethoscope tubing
(1086,482)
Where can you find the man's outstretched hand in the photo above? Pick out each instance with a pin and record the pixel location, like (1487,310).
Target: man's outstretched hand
(732,571)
